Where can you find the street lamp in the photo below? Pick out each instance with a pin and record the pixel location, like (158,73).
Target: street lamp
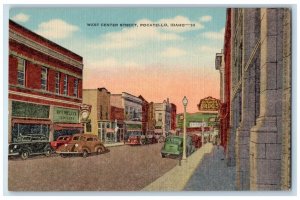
(184,102)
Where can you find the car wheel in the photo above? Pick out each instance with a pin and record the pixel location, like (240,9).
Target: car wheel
(100,150)
(63,155)
(24,155)
(48,153)
(85,153)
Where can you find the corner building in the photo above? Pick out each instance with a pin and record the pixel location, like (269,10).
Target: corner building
(259,130)
(45,86)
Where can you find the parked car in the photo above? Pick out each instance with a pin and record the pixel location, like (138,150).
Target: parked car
(82,144)
(150,139)
(61,140)
(31,144)
(136,138)
(174,146)
(159,137)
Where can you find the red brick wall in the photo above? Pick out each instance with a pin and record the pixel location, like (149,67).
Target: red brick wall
(51,80)
(13,70)
(33,75)
(70,85)
(117,114)
(173,116)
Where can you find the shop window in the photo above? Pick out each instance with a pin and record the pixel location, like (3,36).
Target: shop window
(27,129)
(44,77)
(57,80)
(21,71)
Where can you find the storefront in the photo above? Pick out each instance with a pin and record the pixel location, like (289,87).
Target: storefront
(28,118)
(132,128)
(66,122)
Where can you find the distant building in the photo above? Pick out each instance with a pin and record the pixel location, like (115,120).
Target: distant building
(132,106)
(45,86)
(151,118)
(173,117)
(162,117)
(100,123)
(145,108)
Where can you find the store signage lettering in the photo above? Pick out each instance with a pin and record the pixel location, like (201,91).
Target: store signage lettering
(65,115)
(209,104)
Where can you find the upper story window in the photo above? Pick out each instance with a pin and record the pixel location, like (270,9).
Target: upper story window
(57,80)
(44,77)
(21,71)
(66,85)
(75,88)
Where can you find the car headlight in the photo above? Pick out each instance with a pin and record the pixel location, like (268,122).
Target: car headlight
(15,146)
(76,145)
(66,145)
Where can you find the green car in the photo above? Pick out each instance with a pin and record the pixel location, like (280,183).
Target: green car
(174,146)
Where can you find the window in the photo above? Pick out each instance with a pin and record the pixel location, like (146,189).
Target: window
(75,87)
(21,71)
(66,85)
(57,79)
(44,78)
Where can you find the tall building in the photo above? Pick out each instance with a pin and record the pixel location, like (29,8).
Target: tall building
(162,117)
(45,86)
(145,108)
(260,104)
(100,123)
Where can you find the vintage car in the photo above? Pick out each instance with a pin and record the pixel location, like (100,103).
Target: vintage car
(136,138)
(82,144)
(174,146)
(31,144)
(159,137)
(150,139)
(61,140)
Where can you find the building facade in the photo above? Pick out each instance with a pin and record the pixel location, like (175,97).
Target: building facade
(162,117)
(173,117)
(132,106)
(100,123)
(260,103)
(45,86)
(145,108)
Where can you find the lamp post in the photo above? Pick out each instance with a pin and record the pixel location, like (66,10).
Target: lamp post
(184,102)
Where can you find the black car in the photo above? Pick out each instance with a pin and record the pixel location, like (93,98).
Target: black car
(32,144)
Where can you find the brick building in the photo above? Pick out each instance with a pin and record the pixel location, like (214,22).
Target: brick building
(145,108)
(45,86)
(173,117)
(260,104)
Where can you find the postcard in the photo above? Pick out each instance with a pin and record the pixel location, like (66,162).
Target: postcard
(149,99)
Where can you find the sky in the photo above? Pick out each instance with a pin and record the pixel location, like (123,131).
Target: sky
(155,62)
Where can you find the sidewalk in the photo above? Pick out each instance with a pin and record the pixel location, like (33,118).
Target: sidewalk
(177,178)
(213,174)
(114,144)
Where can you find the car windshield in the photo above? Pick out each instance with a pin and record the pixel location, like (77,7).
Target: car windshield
(174,140)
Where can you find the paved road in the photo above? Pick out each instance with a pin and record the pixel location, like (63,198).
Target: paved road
(124,168)
(212,174)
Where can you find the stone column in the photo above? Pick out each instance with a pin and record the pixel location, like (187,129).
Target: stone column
(250,40)
(265,140)
(286,103)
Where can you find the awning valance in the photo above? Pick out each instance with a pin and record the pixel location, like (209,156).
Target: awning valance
(31,121)
(67,126)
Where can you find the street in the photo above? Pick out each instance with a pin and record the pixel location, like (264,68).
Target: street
(124,168)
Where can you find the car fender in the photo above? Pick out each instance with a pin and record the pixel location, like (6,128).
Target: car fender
(86,148)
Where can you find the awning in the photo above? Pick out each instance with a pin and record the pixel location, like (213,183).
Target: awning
(131,130)
(31,121)
(67,126)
